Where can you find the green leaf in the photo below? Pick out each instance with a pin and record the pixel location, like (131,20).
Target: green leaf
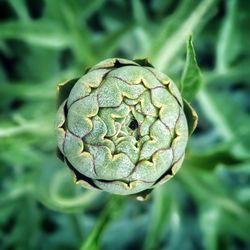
(192,117)
(191,77)
(159,215)
(21,9)
(105,217)
(54,195)
(225,48)
(220,107)
(232,42)
(64,89)
(172,45)
(139,12)
(91,7)
(112,41)
(42,33)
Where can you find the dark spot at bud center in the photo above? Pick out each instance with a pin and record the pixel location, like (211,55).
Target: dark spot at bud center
(133,125)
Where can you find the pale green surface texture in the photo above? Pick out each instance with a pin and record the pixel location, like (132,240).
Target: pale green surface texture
(122,128)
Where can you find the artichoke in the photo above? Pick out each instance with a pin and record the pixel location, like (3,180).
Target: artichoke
(123,127)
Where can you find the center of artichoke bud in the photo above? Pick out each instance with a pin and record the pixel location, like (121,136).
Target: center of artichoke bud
(128,127)
(133,125)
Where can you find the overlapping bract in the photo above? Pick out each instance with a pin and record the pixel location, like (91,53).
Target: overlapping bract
(122,127)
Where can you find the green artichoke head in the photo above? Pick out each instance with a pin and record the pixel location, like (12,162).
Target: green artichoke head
(123,127)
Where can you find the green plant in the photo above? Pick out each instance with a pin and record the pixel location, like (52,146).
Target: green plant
(206,205)
(124,126)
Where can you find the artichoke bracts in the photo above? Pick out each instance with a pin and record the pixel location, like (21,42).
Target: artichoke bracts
(123,127)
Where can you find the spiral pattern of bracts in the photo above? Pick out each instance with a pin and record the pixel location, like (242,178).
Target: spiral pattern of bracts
(122,128)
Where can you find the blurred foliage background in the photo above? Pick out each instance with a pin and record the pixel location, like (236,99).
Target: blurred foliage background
(43,42)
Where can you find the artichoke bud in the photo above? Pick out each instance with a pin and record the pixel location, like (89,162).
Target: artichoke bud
(123,127)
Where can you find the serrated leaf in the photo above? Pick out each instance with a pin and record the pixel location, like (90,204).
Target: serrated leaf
(191,77)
